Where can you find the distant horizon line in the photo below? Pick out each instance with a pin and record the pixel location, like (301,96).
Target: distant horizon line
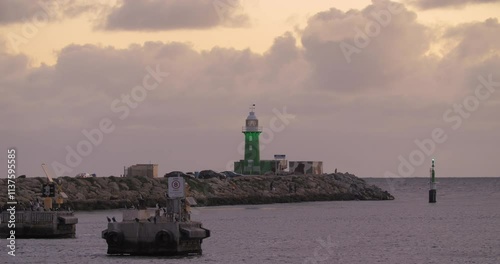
(417,177)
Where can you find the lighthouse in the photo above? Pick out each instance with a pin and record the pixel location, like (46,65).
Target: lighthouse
(251,130)
(252,164)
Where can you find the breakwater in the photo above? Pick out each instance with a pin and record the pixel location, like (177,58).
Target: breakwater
(116,192)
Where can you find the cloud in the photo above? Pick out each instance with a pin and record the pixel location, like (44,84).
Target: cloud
(157,15)
(432,4)
(60,101)
(87,78)
(284,50)
(13,11)
(476,41)
(11,65)
(476,51)
(22,11)
(356,116)
(362,50)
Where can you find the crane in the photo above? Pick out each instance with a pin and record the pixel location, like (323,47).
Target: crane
(60,194)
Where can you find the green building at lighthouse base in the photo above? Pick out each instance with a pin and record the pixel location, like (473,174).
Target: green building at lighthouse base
(263,167)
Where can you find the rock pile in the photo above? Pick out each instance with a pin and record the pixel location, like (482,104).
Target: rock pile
(115,192)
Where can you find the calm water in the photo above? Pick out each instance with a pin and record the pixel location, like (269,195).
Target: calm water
(463,227)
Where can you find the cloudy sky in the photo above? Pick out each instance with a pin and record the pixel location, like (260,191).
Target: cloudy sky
(375,88)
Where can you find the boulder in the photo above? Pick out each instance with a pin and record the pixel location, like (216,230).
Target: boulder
(208,174)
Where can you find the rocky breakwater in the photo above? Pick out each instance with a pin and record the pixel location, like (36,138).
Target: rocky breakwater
(115,192)
(290,188)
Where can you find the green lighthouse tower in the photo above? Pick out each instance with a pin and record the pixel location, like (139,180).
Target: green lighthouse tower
(251,162)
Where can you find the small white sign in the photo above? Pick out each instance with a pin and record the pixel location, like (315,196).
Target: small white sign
(175,187)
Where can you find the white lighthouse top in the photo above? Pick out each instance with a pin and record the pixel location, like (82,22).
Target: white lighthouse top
(251,115)
(252,123)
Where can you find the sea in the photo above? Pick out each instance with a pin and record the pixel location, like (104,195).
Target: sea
(462,227)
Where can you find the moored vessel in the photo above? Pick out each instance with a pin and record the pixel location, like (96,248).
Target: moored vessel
(164,230)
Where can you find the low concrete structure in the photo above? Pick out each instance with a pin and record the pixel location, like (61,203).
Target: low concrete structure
(143,170)
(40,224)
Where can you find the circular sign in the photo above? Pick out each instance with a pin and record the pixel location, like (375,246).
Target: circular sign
(176,184)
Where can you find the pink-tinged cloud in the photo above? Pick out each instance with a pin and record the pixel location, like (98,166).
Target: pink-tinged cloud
(373,48)
(357,117)
(43,11)
(432,4)
(157,15)
(12,11)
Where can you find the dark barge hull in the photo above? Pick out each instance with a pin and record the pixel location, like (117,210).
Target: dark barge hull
(155,239)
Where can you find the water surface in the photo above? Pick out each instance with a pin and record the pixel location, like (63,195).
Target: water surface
(462,227)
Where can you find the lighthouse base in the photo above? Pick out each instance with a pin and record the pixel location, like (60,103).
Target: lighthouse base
(432,196)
